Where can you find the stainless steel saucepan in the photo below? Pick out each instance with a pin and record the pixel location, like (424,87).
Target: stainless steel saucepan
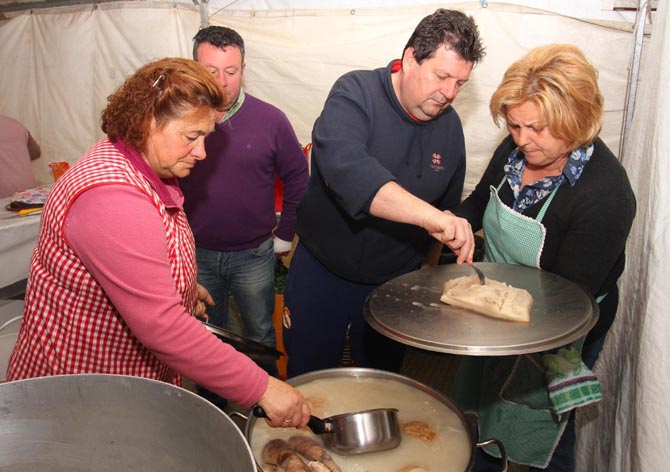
(355,433)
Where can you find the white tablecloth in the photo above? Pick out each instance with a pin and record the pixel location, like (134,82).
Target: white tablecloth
(18,237)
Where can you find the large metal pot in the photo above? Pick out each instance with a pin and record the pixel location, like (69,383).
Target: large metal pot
(354,373)
(100,423)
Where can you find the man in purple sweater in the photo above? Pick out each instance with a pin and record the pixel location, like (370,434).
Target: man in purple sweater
(229,197)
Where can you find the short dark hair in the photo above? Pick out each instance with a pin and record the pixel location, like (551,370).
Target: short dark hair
(451,28)
(219,36)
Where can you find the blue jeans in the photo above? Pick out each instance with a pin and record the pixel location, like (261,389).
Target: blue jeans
(249,276)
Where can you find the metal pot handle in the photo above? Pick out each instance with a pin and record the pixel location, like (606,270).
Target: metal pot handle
(501,447)
(10,321)
(237,414)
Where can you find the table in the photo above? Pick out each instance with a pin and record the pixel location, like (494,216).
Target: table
(408,310)
(18,236)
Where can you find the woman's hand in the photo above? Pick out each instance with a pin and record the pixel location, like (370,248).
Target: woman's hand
(284,405)
(203,299)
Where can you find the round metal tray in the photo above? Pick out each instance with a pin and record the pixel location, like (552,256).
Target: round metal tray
(408,309)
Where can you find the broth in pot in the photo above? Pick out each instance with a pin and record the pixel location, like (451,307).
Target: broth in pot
(433,435)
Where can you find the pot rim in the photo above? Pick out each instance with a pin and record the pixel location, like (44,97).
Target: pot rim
(366,372)
(68,406)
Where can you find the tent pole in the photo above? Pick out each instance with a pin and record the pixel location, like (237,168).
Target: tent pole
(204,12)
(633,73)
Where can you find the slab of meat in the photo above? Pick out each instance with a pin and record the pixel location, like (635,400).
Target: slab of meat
(277,452)
(494,299)
(313,451)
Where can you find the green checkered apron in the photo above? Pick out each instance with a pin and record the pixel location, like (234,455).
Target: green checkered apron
(509,393)
(510,237)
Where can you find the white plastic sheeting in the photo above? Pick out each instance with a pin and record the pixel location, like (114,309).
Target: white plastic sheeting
(60,65)
(65,62)
(630,429)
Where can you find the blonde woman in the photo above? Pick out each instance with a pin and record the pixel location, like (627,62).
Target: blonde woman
(553,197)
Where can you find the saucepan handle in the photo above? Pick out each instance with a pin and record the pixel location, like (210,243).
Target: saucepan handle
(259,412)
(501,447)
(317,425)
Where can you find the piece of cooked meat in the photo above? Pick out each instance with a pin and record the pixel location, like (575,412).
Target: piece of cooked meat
(313,451)
(277,452)
(494,299)
(419,430)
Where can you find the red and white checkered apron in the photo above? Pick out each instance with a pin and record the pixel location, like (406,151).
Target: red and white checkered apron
(69,325)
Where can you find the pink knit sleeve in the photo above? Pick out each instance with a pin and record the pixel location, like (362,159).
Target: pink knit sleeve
(119,236)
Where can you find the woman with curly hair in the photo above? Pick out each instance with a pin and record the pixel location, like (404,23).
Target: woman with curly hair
(112,285)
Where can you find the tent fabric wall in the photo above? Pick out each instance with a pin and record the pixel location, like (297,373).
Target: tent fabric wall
(61,64)
(66,61)
(629,430)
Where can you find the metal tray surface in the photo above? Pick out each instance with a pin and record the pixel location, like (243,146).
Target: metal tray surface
(408,309)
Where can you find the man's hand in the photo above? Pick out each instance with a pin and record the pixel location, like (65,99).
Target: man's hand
(394,203)
(282,248)
(453,231)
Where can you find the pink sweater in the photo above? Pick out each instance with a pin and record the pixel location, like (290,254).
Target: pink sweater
(145,294)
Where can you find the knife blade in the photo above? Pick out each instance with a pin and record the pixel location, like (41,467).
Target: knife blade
(480,275)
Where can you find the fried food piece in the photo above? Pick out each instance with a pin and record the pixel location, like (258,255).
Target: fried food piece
(272,468)
(494,299)
(278,453)
(316,466)
(313,451)
(419,430)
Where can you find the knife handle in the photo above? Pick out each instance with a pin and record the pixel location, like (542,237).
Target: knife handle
(28,211)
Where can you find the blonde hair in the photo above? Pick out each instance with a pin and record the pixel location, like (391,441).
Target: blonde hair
(563,85)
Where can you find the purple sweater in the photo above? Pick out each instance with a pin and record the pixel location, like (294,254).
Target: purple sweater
(229,197)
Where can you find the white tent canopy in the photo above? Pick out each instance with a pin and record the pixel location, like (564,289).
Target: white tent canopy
(65,61)
(60,64)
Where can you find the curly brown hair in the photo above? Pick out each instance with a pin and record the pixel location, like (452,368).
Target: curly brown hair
(162,91)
